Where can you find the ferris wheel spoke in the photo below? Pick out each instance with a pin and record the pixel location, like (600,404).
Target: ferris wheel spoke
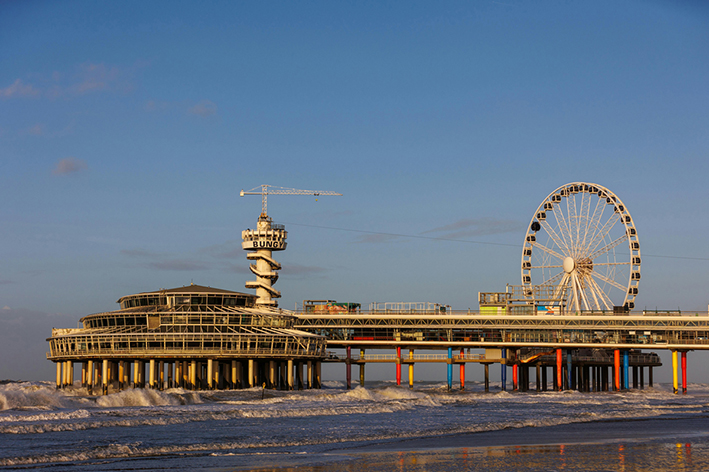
(554,237)
(582,292)
(603,232)
(594,221)
(598,264)
(551,252)
(608,247)
(604,297)
(552,280)
(562,286)
(592,288)
(608,280)
(563,227)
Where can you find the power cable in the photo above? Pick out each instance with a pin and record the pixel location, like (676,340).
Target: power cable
(400,235)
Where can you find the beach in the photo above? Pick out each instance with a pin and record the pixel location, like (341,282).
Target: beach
(381,427)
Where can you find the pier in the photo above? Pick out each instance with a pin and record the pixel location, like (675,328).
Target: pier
(590,352)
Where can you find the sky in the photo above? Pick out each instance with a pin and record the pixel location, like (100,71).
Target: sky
(127,130)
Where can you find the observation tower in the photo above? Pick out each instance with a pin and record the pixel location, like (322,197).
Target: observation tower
(266,238)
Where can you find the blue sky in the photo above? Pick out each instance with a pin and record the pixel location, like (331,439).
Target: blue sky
(127,130)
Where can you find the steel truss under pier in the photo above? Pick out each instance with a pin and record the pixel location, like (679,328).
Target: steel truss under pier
(191,337)
(581,349)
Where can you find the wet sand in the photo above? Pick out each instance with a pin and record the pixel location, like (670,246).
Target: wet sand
(639,445)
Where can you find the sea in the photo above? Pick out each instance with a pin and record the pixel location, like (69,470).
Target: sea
(381,426)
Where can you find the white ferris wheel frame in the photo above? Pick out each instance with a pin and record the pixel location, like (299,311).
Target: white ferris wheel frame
(578,261)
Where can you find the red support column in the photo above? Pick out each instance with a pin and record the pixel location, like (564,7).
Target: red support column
(616,363)
(398,365)
(684,372)
(515,383)
(462,369)
(559,369)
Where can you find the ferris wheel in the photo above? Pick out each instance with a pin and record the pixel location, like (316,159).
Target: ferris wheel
(582,246)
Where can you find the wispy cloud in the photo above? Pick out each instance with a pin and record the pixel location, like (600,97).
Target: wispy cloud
(476,227)
(376,238)
(204,108)
(69,165)
(19,89)
(141,253)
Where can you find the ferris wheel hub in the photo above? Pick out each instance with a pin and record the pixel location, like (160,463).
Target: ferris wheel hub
(569,265)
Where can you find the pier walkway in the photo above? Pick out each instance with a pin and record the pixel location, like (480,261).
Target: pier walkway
(582,347)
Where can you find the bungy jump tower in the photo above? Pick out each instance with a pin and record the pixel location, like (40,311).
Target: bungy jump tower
(268,237)
(197,337)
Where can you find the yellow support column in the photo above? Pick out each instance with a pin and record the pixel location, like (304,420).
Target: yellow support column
(675,385)
(193,375)
(59,375)
(210,374)
(411,369)
(90,376)
(104,375)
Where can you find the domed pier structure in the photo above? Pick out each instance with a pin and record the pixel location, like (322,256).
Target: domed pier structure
(192,337)
(267,237)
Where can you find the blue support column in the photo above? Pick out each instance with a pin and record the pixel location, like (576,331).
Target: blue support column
(503,370)
(450,368)
(569,368)
(625,370)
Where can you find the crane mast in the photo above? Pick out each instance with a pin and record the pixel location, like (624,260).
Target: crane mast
(268,237)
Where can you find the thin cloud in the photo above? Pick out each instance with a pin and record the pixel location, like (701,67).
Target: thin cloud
(204,109)
(19,89)
(36,130)
(69,165)
(476,227)
(376,238)
(138,253)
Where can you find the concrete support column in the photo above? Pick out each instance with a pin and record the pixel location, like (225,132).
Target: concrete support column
(537,377)
(348,368)
(290,374)
(674,372)
(104,376)
(152,379)
(193,374)
(449,368)
(569,370)
(398,365)
(559,368)
(161,375)
(83,374)
(487,377)
(318,374)
(251,373)
(626,365)
(90,376)
(684,372)
(210,374)
(411,369)
(59,374)
(299,374)
(642,377)
(503,370)
(544,378)
(361,367)
(272,374)
(233,379)
(515,377)
(121,374)
(462,369)
(616,368)
(310,374)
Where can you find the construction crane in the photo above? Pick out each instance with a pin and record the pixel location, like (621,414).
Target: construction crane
(266,190)
(266,238)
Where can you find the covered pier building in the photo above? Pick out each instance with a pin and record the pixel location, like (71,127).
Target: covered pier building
(193,337)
